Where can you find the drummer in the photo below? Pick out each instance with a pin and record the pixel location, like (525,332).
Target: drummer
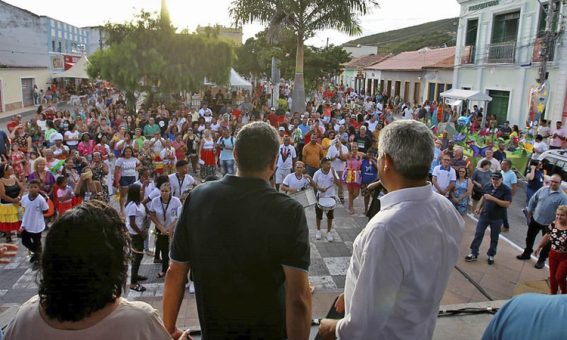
(324,182)
(296,181)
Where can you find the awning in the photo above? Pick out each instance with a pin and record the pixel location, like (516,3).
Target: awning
(237,81)
(475,96)
(457,102)
(79,70)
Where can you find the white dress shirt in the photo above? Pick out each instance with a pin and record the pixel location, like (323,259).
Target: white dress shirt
(400,266)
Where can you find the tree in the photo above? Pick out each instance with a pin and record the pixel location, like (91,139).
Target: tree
(254,58)
(303,18)
(146,55)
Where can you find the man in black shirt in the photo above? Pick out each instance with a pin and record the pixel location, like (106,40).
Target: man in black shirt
(243,242)
(492,207)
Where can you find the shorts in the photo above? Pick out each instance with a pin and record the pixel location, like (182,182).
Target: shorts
(126,181)
(319,213)
(281,174)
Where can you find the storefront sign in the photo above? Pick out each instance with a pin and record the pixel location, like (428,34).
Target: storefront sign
(484,5)
(70,60)
(57,62)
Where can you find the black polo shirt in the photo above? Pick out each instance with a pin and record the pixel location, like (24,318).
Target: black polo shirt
(237,233)
(492,210)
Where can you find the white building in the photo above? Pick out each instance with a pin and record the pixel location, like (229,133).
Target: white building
(414,76)
(32,48)
(498,44)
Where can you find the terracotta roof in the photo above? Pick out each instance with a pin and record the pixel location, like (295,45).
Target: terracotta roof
(418,60)
(365,61)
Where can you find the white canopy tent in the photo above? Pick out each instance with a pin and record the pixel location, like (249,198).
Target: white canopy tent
(237,81)
(79,70)
(455,97)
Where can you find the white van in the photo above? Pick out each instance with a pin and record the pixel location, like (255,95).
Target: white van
(555,162)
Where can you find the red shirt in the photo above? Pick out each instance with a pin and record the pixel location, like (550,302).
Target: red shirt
(273,118)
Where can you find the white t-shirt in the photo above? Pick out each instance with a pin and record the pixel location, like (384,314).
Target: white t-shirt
(372,125)
(325,181)
(170,210)
(293,183)
(333,154)
(179,187)
(151,186)
(444,177)
(291,154)
(157,146)
(139,212)
(33,220)
(127,166)
(73,138)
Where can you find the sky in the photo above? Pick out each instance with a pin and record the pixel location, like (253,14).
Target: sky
(390,15)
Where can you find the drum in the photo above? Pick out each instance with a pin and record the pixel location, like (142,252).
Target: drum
(305,197)
(327,203)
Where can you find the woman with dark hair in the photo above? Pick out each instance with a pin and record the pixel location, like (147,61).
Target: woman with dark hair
(11,191)
(82,274)
(135,212)
(462,191)
(125,173)
(164,212)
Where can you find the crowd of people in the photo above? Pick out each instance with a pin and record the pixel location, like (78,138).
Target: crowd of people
(155,159)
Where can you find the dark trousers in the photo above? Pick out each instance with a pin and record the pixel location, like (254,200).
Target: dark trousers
(137,255)
(482,224)
(310,170)
(505,220)
(162,248)
(533,229)
(32,241)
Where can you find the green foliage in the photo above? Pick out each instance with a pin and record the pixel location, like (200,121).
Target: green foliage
(302,18)
(431,34)
(147,55)
(255,55)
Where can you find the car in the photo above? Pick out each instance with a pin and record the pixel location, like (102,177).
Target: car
(555,162)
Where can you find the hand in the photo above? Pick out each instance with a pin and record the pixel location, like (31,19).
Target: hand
(477,212)
(7,250)
(488,197)
(327,329)
(323,189)
(178,334)
(340,304)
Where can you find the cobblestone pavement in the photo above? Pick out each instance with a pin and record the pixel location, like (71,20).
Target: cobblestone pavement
(329,262)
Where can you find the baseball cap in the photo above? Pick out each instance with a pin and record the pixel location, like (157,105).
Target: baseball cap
(281,128)
(272,109)
(496,174)
(57,136)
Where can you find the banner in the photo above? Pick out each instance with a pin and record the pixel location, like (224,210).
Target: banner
(537,97)
(70,61)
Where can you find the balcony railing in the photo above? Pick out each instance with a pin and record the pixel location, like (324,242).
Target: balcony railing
(467,55)
(501,52)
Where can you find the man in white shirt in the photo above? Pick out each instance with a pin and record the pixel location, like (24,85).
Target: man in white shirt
(338,154)
(494,163)
(297,180)
(558,137)
(181,182)
(324,182)
(539,147)
(392,288)
(286,161)
(205,112)
(444,176)
(408,112)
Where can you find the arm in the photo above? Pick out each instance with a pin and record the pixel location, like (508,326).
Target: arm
(434,182)
(542,244)
(158,224)
(173,291)
(297,303)
(501,203)
(531,174)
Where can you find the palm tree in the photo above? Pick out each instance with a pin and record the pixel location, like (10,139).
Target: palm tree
(304,18)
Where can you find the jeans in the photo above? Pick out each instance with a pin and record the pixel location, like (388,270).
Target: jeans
(227,167)
(533,229)
(162,247)
(482,224)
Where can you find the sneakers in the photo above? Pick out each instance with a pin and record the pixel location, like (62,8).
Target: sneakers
(539,264)
(318,235)
(491,260)
(523,256)
(330,237)
(471,258)
(191,287)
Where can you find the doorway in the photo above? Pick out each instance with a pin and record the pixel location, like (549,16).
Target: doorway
(499,105)
(27,92)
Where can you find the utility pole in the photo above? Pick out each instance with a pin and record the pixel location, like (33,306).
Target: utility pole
(548,41)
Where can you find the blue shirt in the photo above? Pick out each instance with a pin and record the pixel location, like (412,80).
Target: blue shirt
(509,178)
(369,172)
(530,316)
(492,210)
(304,128)
(544,203)
(436,156)
(228,147)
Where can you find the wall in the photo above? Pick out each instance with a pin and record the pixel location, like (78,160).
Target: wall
(11,83)
(517,77)
(22,38)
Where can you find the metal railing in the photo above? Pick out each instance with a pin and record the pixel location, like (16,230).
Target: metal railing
(501,52)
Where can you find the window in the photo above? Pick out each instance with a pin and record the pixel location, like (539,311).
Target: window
(431,92)
(472,29)
(416,92)
(505,27)
(543,18)
(59,48)
(440,89)
(53,45)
